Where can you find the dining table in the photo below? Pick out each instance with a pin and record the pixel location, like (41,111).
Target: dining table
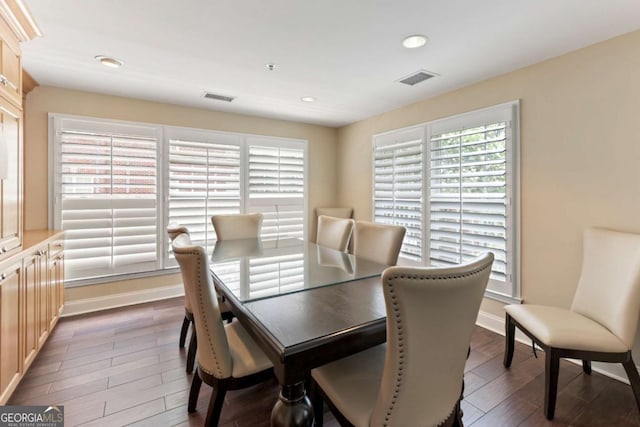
(305,305)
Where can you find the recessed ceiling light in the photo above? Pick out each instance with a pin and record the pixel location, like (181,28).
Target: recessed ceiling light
(415,40)
(308,99)
(110,61)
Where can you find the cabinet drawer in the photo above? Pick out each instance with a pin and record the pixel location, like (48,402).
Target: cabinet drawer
(55,248)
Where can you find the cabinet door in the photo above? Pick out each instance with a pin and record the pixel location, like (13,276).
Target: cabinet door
(10,75)
(11,182)
(56,276)
(32,277)
(53,294)
(42,290)
(10,365)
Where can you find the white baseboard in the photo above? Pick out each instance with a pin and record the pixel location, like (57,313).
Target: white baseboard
(496,324)
(88,305)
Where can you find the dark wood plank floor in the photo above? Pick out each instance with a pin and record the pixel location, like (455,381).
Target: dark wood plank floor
(123,366)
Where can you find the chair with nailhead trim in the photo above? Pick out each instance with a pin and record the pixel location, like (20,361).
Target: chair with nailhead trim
(174,230)
(228,358)
(416,377)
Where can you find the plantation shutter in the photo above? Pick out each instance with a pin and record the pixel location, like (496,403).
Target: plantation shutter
(469,194)
(276,186)
(398,186)
(204,180)
(105,197)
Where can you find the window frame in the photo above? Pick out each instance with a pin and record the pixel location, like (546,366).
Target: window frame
(164,134)
(468,120)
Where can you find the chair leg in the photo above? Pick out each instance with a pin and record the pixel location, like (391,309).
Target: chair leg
(634,378)
(552,367)
(317,403)
(183,331)
(586,367)
(509,336)
(457,420)
(215,405)
(191,354)
(194,392)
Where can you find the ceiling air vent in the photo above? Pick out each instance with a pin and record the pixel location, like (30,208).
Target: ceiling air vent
(417,77)
(218,97)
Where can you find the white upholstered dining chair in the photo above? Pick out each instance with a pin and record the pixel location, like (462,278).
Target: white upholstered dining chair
(228,358)
(173,231)
(378,242)
(416,377)
(237,226)
(334,233)
(602,321)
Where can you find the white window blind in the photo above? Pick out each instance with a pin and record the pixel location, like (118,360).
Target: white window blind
(470,183)
(105,197)
(468,198)
(276,186)
(204,180)
(113,190)
(398,186)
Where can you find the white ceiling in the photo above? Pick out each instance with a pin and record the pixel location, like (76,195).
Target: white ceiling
(346,53)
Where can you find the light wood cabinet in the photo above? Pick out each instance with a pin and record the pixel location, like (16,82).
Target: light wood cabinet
(33,277)
(31,282)
(10,360)
(10,65)
(42,298)
(11,184)
(31,302)
(56,282)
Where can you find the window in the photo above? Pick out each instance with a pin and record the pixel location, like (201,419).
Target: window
(106,197)
(117,185)
(204,179)
(276,186)
(470,181)
(397,185)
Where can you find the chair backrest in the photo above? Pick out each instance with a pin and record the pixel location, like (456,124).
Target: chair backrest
(334,232)
(609,287)
(213,348)
(431,314)
(335,212)
(174,230)
(240,226)
(378,242)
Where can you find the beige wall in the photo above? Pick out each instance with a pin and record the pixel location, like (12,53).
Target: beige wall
(580,164)
(43,100)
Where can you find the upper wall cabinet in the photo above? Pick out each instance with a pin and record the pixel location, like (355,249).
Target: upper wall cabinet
(10,69)
(10,179)
(16,26)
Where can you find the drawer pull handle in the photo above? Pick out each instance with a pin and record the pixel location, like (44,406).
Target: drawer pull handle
(2,277)
(3,250)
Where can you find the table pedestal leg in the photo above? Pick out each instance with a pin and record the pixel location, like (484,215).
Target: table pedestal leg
(293,407)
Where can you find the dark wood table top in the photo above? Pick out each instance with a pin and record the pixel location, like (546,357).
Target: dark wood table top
(305,329)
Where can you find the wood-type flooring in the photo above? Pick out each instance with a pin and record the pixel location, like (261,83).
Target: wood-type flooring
(123,367)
